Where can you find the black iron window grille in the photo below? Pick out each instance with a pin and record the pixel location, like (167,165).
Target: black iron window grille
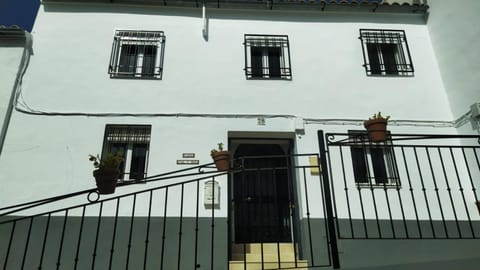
(137,54)
(386,53)
(373,163)
(267,57)
(133,143)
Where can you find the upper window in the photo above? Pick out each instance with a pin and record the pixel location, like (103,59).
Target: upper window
(133,142)
(386,52)
(373,163)
(137,54)
(267,57)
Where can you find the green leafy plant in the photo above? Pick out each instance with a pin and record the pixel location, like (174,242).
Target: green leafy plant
(110,161)
(379,116)
(220,149)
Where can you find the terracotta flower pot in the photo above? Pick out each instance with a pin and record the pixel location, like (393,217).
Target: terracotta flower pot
(106,180)
(377,129)
(222,160)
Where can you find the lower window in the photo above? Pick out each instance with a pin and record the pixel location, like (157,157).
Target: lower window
(373,163)
(132,142)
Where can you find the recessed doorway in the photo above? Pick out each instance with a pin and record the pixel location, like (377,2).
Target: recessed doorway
(261,191)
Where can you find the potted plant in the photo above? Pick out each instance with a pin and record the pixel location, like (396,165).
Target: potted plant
(107,171)
(377,127)
(221,158)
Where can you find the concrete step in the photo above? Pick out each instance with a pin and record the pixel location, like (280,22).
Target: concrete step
(267,257)
(268,248)
(240,265)
(257,256)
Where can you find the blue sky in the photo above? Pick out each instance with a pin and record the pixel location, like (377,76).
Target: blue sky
(19,12)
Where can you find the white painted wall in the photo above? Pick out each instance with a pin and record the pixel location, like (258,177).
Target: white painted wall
(454,33)
(68,74)
(326,57)
(10,57)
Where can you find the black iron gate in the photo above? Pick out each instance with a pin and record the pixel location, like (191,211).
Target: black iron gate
(279,200)
(262,196)
(411,186)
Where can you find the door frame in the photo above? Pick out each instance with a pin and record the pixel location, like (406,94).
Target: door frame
(287,142)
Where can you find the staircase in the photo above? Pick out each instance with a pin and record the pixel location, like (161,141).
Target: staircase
(256,256)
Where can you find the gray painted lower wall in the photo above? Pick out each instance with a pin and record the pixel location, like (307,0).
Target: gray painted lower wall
(313,242)
(408,229)
(96,253)
(388,253)
(175,249)
(402,253)
(461,264)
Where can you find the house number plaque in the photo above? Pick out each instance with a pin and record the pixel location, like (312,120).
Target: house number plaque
(188,155)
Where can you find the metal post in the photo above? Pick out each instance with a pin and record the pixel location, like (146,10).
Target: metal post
(328,201)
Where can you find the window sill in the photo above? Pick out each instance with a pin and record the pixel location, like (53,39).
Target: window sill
(391,75)
(378,186)
(157,77)
(269,79)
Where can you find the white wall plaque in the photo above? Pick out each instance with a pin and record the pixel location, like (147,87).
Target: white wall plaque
(211,195)
(187,161)
(188,155)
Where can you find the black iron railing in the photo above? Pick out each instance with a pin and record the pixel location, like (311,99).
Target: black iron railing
(168,224)
(115,231)
(411,186)
(277,204)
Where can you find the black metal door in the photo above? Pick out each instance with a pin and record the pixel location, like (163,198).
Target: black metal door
(262,194)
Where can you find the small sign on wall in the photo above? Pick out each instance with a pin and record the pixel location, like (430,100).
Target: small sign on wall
(188,155)
(188,162)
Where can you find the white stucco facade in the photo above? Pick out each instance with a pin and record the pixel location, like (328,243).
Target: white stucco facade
(453,32)
(11,57)
(323,54)
(15,49)
(204,79)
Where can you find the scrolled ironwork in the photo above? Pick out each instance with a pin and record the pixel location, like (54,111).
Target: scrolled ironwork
(89,196)
(330,138)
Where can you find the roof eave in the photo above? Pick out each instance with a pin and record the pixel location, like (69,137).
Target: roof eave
(13,34)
